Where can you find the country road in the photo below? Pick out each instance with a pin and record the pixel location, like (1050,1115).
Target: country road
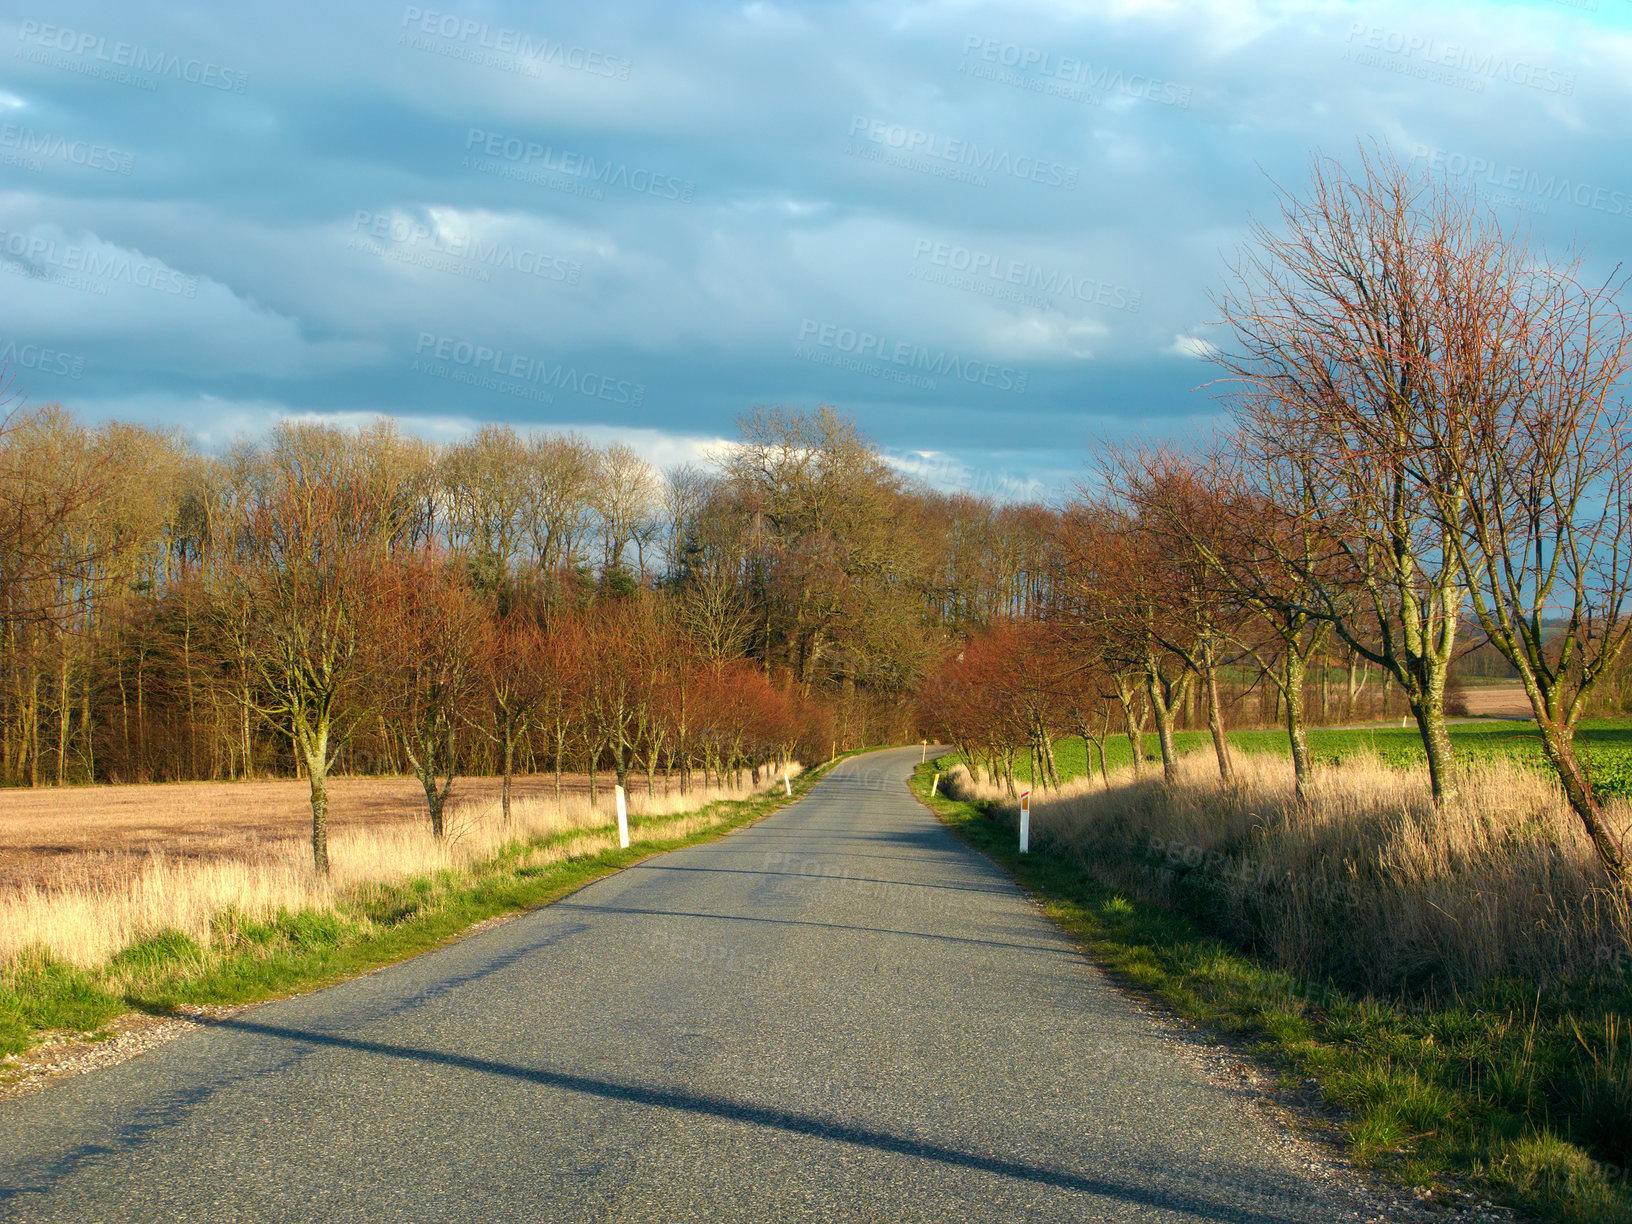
(838,1014)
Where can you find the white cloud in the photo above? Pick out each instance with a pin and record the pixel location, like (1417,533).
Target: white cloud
(253,197)
(1193,347)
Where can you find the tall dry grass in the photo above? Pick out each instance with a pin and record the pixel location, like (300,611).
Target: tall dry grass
(1368,885)
(81,914)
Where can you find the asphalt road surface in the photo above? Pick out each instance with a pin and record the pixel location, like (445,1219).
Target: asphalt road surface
(840,1013)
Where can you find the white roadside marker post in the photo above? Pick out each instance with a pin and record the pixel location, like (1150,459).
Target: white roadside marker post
(924,755)
(623,818)
(1025,822)
(786,785)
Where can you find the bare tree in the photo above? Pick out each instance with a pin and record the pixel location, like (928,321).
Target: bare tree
(1114,587)
(558,481)
(513,667)
(1338,319)
(1536,448)
(1267,557)
(426,656)
(487,499)
(310,555)
(626,497)
(1195,612)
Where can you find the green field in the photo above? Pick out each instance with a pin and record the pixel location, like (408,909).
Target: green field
(1607,744)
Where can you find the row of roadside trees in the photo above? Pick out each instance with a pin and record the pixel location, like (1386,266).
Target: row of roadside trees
(1427,452)
(322,599)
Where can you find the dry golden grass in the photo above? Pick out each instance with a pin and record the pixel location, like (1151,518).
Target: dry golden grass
(1368,884)
(86,914)
(42,827)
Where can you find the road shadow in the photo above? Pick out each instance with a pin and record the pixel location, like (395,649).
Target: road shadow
(811,1126)
(1064,948)
(831,877)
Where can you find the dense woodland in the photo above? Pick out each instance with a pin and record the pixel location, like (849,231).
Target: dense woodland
(325,600)
(800,579)
(1423,463)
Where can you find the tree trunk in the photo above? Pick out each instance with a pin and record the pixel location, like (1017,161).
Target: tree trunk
(1429,711)
(1578,790)
(34,728)
(1215,724)
(509,763)
(65,710)
(316,753)
(139,766)
(1089,744)
(124,696)
(433,801)
(560,752)
(249,742)
(6,721)
(187,674)
(1295,731)
(1163,712)
(1134,730)
(85,728)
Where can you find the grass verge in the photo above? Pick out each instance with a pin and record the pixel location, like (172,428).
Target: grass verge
(373,925)
(1497,1094)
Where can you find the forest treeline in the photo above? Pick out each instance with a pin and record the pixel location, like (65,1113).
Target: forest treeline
(364,601)
(1424,459)
(799,576)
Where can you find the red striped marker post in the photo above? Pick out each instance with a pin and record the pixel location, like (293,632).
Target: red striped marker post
(1025,822)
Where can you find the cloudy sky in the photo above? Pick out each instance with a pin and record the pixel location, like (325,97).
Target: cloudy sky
(987,231)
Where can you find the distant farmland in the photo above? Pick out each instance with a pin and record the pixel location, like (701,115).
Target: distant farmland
(109,830)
